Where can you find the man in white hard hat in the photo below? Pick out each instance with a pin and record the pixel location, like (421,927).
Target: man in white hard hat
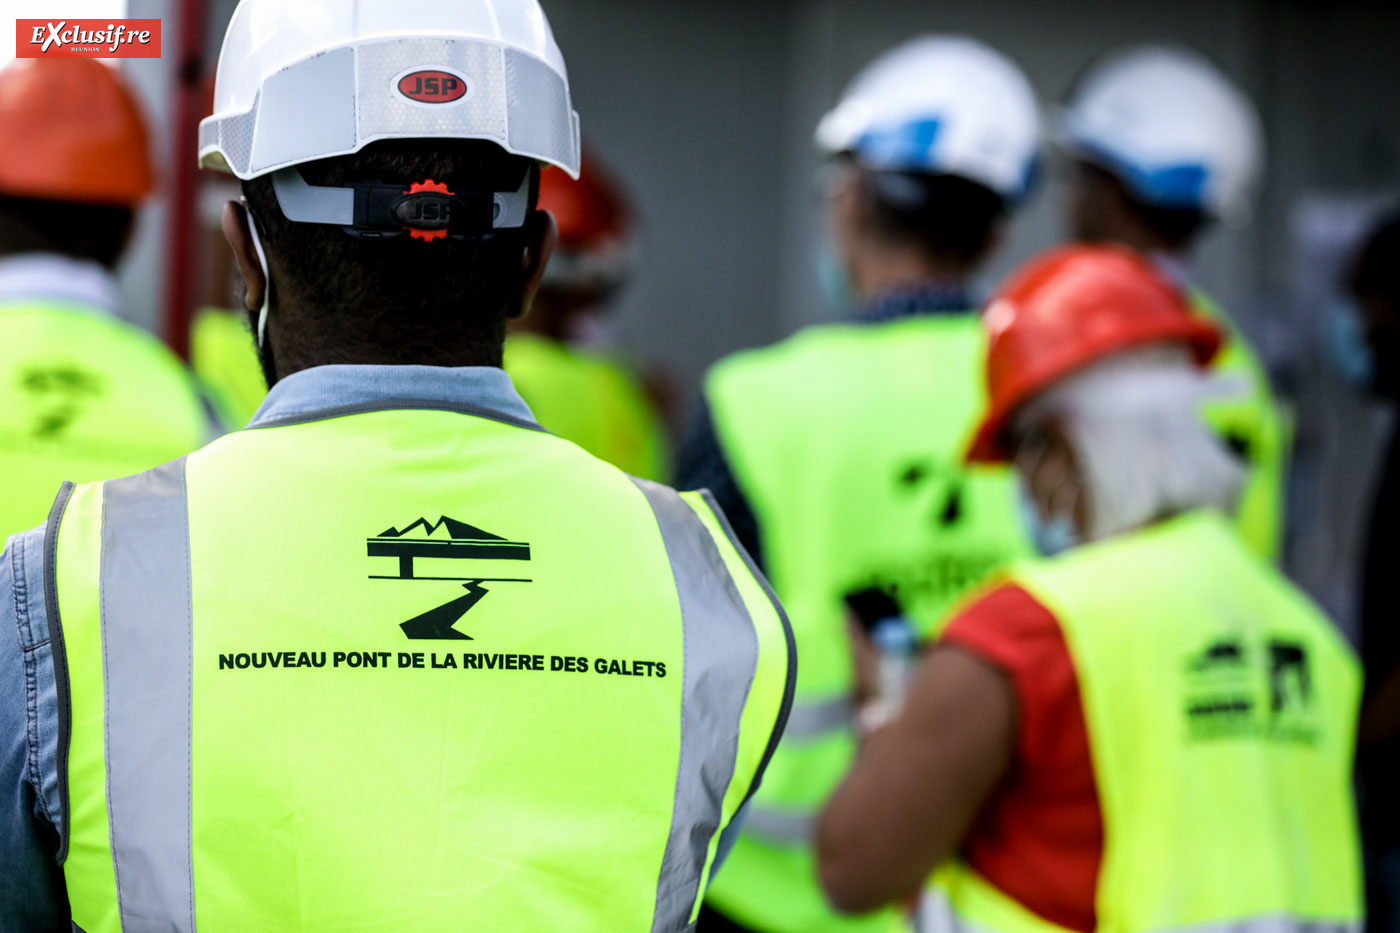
(837,453)
(393,657)
(1163,146)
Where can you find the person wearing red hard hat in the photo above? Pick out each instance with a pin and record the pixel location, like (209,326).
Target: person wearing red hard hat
(557,354)
(1150,729)
(86,395)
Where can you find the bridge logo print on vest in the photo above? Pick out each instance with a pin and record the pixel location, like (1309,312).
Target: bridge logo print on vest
(418,551)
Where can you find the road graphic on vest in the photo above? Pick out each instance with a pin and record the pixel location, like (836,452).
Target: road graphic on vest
(446,539)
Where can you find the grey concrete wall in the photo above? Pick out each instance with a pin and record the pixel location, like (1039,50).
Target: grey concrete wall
(708,108)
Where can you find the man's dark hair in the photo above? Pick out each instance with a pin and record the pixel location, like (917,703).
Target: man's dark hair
(1176,227)
(1376,269)
(340,299)
(944,216)
(97,232)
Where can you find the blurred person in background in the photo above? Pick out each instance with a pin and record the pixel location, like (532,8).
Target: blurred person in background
(1151,730)
(1374,285)
(222,352)
(576,388)
(1162,146)
(837,453)
(85,395)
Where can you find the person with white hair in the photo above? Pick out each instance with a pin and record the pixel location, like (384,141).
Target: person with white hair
(1149,727)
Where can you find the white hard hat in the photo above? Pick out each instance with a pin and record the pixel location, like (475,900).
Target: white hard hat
(944,105)
(301,80)
(1171,126)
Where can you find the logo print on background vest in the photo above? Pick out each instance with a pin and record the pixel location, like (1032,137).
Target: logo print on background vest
(1224,699)
(58,393)
(447,539)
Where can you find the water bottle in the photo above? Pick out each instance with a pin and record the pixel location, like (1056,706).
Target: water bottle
(897,646)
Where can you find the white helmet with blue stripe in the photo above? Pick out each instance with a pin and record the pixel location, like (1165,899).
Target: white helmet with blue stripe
(1171,126)
(945,105)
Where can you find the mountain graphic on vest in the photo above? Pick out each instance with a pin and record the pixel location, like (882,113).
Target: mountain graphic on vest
(445,539)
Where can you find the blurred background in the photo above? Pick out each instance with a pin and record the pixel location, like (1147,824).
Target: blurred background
(705,110)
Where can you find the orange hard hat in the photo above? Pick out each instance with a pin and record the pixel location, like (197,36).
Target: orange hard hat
(70,130)
(1067,309)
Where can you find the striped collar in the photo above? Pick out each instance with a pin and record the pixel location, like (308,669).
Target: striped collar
(50,277)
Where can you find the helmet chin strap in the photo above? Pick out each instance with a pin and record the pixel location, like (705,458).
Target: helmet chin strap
(267,277)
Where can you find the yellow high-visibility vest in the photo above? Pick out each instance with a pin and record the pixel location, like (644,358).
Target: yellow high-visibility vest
(87,396)
(1221,711)
(848,443)
(409,669)
(592,400)
(225,360)
(1256,426)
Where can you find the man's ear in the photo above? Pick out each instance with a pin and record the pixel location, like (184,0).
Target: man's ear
(541,237)
(849,201)
(234,222)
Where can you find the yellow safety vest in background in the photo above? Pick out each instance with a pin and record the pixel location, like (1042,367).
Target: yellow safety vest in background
(87,396)
(1256,426)
(402,670)
(1221,710)
(848,443)
(591,400)
(225,361)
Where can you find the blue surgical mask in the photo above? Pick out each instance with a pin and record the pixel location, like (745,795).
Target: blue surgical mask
(1348,353)
(835,281)
(1051,536)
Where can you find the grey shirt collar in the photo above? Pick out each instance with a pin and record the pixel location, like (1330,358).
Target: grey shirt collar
(329,391)
(30,277)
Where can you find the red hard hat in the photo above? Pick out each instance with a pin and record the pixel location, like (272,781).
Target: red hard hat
(70,130)
(1067,309)
(594,226)
(591,212)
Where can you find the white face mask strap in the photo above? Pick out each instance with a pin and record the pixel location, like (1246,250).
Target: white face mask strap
(267,276)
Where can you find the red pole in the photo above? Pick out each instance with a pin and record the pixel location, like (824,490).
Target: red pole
(186,101)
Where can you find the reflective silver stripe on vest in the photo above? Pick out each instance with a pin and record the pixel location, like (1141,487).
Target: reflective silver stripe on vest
(146,668)
(937,915)
(721,657)
(1278,923)
(811,721)
(780,827)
